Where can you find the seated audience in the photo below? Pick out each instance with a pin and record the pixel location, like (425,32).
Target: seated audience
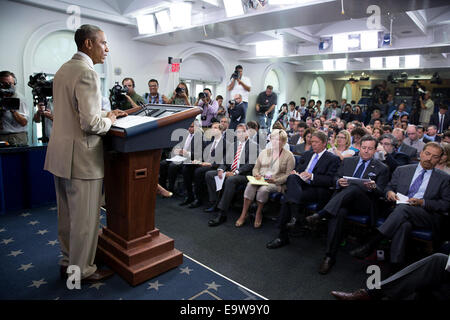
(377,133)
(386,152)
(431,134)
(399,134)
(444,163)
(441,119)
(446,137)
(297,137)
(357,134)
(272,166)
(428,192)
(413,138)
(352,197)
(299,149)
(341,148)
(309,182)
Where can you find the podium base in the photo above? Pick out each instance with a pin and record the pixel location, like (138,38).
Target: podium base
(141,259)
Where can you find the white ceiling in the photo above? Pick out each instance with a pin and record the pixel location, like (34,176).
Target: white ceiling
(418,27)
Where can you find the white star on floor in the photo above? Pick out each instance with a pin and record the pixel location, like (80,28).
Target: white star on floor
(186,270)
(15,253)
(6,241)
(97,285)
(42,232)
(37,284)
(154,285)
(2,230)
(26,214)
(52,243)
(33,222)
(53,208)
(25,267)
(213,285)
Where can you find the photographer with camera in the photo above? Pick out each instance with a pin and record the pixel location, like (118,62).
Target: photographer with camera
(236,111)
(14,112)
(265,106)
(397,114)
(133,100)
(427,108)
(240,84)
(209,106)
(42,99)
(180,95)
(45,112)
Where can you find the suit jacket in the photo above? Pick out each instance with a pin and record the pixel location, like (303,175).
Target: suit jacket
(324,170)
(217,156)
(408,150)
(247,158)
(395,159)
(436,196)
(434,119)
(294,139)
(281,171)
(196,146)
(75,149)
(237,115)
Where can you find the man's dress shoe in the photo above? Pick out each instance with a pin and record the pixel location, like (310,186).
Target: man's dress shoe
(360,294)
(195,204)
(362,252)
(186,201)
(211,209)
(326,265)
(97,276)
(312,219)
(217,220)
(277,243)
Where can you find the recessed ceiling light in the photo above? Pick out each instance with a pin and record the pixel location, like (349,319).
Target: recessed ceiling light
(406,32)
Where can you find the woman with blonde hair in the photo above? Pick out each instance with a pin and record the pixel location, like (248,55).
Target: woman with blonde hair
(444,163)
(272,166)
(342,144)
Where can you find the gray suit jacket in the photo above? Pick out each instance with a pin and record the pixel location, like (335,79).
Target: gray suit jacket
(75,149)
(408,150)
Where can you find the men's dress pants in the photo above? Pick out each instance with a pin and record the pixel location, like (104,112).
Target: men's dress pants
(351,199)
(78,204)
(193,174)
(428,273)
(228,189)
(399,224)
(169,169)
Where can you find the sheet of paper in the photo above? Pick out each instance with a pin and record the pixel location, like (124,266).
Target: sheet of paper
(219,182)
(131,121)
(177,158)
(356,180)
(256,182)
(402,198)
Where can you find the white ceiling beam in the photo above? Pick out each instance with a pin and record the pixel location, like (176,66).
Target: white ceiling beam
(300,35)
(418,20)
(224,44)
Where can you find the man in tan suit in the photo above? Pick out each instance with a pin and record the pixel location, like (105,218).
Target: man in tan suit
(75,152)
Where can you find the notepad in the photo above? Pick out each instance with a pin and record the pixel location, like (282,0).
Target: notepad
(219,182)
(131,121)
(353,180)
(177,158)
(257,182)
(402,198)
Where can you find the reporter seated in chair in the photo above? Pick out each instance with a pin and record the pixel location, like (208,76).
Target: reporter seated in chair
(387,153)
(234,171)
(352,197)
(272,166)
(309,182)
(428,192)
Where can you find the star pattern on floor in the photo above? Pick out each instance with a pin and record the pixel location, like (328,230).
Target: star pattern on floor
(33,222)
(25,267)
(2,230)
(154,285)
(26,214)
(42,232)
(97,285)
(213,285)
(52,242)
(186,270)
(6,241)
(15,253)
(37,283)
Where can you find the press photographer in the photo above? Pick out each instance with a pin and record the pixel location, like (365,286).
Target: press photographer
(125,98)
(240,84)
(13,112)
(209,107)
(236,111)
(42,94)
(265,106)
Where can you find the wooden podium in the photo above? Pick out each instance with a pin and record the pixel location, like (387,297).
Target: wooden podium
(130,244)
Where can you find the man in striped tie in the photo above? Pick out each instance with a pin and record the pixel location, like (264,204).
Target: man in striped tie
(235,173)
(428,192)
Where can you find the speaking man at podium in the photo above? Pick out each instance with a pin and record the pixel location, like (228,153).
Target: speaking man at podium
(75,152)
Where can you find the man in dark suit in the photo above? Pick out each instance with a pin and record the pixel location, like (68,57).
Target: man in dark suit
(190,145)
(428,192)
(309,182)
(236,111)
(194,173)
(399,134)
(441,119)
(388,154)
(234,170)
(350,196)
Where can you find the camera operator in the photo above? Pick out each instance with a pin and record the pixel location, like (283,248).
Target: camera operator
(180,95)
(240,84)
(265,105)
(47,112)
(13,123)
(154,96)
(133,99)
(427,108)
(236,111)
(209,106)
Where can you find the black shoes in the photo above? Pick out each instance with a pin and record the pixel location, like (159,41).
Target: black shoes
(186,201)
(277,243)
(362,252)
(313,219)
(211,209)
(218,219)
(195,204)
(326,265)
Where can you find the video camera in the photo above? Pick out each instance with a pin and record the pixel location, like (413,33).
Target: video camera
(42,88)
(6,102)
(117,95)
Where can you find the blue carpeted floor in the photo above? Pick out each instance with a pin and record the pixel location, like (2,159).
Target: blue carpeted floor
(29,252)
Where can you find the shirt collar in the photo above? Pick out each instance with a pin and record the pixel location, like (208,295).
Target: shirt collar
(84,55)
(420,168)
(321,153)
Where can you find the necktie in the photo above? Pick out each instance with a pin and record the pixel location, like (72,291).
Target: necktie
(236,158)
(358,173)
(213,149)
(313,163)
(411,142)
(416,185)
(188,142)
(441,123)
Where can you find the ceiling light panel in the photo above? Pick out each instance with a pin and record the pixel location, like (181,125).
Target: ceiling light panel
(233,8)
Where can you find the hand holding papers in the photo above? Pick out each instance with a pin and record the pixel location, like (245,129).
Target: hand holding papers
(219,182)
(358,181)
(257,182)
(177,158)
(402,199)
